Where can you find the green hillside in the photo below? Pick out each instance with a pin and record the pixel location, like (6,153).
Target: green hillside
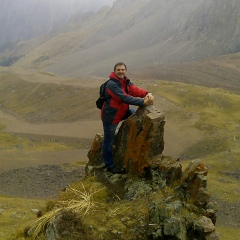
(213,111)
(37,102)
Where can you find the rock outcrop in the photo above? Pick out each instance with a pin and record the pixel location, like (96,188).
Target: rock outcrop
(186,211)
(139,140)
(154,200)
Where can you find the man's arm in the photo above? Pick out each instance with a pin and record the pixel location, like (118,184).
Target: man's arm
(116,92)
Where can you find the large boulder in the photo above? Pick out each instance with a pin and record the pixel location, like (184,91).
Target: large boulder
(139,139)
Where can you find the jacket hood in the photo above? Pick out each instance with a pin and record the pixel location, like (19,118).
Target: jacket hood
(113,75)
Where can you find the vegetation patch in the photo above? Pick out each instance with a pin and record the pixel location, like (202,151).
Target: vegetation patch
(223,187)
(206,147)
(228,233)
(85,209)
(47,102)
(15,213)
(10,142)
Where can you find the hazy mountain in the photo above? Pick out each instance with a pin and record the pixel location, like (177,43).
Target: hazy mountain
(138,32)
(25,19)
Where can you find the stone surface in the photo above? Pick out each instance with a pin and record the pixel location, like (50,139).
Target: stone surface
(139,139)
(207,224)
(95,152)
(170,168)
(194,183)
(174,227)
(213,236)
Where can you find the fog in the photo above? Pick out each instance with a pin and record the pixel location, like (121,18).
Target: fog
(25,19)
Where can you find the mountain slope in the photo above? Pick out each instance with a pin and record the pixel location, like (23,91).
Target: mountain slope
(26,19)
(219,72)
(138,33)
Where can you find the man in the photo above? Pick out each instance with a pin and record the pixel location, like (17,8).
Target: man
(120,93)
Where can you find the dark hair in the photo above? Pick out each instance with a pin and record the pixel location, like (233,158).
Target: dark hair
(119,64)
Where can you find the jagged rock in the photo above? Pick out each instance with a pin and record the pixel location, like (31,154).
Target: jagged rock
(174,227)
(211,210)
(213,236)
(95,152)
(174,206)
(136,189)
(65,226)
(158,234)
(170,168)
(204,229)
(194,183)
(139,139)
(138,148)
(51,231)
(158,213)
(207,224)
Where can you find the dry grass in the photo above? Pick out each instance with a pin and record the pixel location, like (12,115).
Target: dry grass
(81,205)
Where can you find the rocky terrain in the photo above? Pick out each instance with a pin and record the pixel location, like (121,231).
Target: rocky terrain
(180,212)
(44,181)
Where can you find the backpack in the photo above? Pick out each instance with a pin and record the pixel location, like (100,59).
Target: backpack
(102,98)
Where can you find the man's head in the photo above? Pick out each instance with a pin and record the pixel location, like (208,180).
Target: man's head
(120,70)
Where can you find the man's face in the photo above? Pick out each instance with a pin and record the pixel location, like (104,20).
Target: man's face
(120,71)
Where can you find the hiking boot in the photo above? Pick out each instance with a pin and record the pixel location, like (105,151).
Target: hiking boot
(115,169)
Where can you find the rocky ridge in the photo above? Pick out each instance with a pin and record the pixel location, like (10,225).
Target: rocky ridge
(178,203)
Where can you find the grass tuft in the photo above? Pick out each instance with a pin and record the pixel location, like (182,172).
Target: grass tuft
(81,205)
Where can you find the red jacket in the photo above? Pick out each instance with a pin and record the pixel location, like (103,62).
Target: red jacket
(120,94)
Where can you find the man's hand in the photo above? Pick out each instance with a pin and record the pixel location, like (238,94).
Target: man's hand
(150,96)
(148,99)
